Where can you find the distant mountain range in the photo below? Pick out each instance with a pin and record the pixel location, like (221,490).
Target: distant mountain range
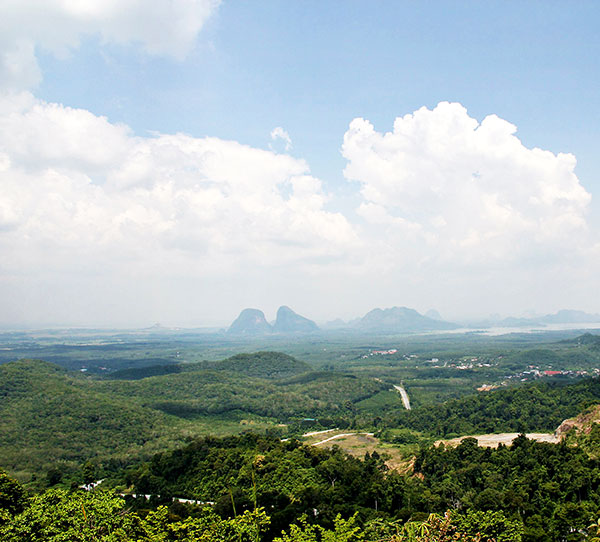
(378,321)
(400,320)
(563,316)
(393,320)
(570,317)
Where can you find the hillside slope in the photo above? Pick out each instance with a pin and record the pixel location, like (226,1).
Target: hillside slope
(582,423)
(48,416)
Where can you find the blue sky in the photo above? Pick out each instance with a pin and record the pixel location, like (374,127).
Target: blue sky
(240,70)
(311,67)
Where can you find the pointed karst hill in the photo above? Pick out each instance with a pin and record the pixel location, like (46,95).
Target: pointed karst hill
(289,322)
(250,322)
(398,320)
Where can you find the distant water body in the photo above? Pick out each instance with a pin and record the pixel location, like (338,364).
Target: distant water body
(539,328)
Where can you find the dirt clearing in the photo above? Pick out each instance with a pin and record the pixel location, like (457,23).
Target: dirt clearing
(493,440)
(357,444)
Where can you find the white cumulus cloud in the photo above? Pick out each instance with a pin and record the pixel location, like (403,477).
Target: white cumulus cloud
(459,190)
(160,28)
(280,133)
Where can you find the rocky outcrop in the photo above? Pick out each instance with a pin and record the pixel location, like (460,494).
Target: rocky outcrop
(399,320)
(250,322)
(582,423)
(289,322)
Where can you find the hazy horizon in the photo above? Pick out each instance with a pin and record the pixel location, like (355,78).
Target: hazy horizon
(178,162)
(483,321)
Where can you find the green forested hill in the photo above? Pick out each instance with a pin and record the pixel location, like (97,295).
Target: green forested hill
(49,417)
(268,365)
(137,373)
(204,391)
(587,339)
(207,392)
(263,365)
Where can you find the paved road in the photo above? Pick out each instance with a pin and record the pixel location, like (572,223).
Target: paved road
(312,433)
(341,435)
(404,395)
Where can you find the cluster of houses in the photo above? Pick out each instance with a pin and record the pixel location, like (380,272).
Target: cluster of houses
(380,353)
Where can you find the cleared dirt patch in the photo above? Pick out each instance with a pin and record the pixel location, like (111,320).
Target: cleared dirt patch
(357,444)
(493,440)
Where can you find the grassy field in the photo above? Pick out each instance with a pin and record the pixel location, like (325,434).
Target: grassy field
(358,444)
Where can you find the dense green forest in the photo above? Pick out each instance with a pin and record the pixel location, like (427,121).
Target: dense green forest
(58,516)
(552,490)
(534,407)
(52,419)
(261,486)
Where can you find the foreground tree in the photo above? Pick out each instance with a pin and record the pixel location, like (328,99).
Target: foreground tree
(12,495)
(98,516)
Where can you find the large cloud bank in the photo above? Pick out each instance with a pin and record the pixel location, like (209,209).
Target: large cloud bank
(445,200)
(76,188)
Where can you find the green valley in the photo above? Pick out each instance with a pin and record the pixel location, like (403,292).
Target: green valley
(230,431)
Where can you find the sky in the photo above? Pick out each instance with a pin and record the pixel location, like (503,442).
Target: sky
(178,161)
